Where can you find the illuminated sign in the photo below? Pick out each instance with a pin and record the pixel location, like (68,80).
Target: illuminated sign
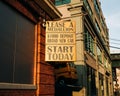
(60,41)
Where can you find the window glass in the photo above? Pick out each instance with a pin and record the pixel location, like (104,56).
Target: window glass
(102,21)
(88,7)
(60,2)
(97,27)
(107,87)
(17,47)
(89,42)
(96,7)
(101,84)
(105,62)
(91,82)
(99,55)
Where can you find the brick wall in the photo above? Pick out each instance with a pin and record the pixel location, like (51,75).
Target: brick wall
(46,80)
(46,70)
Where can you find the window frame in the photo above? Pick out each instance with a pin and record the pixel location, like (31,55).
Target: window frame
(89,42)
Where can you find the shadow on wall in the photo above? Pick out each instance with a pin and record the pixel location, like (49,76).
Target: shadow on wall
(63,91)
(66,89)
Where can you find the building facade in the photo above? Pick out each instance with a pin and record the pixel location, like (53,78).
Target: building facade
(116,72)
(23,70)
(93,61)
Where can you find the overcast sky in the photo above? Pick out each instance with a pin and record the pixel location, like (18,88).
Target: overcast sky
(111,11)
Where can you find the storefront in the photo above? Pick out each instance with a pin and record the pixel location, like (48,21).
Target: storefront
(23,70)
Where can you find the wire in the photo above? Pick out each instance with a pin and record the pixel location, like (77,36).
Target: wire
(114,47)
(115,43)
(114,39)
(117,40)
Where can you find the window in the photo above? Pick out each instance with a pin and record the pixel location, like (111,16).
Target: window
(97,27)
(105,62)
(101,84)
(88,7)
(60,2)
(102,21)
(96,7)
(99,55)
(17,47)
(91,82)
(89,42)
(107,87)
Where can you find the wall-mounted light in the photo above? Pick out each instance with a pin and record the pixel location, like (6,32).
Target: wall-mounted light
(44,23)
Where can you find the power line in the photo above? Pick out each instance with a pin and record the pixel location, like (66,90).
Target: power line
(114,39)
(114,47)
(115,43)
